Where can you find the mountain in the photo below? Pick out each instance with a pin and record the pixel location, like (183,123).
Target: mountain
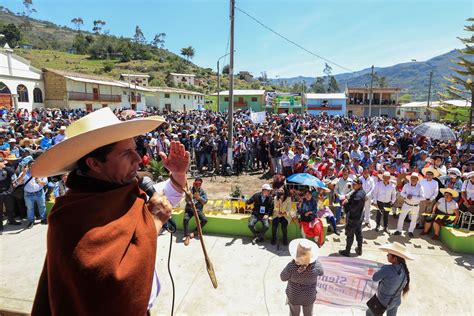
(412,77)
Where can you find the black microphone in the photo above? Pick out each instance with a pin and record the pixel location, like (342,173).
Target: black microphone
(146,184)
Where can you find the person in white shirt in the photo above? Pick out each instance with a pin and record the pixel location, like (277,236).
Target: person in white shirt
(430,188)
(384,195)
(467,193)
(413,194)
(445,206)
(368,186)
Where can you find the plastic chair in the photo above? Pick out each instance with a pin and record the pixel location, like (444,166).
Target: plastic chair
(467,219)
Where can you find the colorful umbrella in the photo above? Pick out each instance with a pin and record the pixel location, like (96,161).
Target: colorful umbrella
(306,179)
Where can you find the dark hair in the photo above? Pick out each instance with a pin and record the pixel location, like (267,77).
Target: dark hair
(198,179)
(99,154)
(403,263)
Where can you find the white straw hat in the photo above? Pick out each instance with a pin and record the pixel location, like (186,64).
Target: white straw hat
(93,131)
(398,250)
(303,251)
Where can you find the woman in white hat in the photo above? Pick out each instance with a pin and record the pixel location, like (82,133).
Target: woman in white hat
(445,206)
(393,278)
(302,273)
(453,179)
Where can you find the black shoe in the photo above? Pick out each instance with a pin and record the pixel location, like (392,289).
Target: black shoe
(397,233)
(385,230)
(14,223)
(260,239)
(359,251)
(376,229)
(30,225)
(396,216)
(411,235)
(254,240)
(44,222)
(273,242)
(345,253)
(285,242)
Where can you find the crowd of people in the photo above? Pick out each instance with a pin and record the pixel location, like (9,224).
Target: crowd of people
(382,152)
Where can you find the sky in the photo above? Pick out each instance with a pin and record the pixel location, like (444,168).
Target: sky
(354,34)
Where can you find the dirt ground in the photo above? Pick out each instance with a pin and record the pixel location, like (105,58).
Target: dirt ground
(219,187)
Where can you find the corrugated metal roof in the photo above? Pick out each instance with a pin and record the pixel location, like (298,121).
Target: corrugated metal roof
(326,96)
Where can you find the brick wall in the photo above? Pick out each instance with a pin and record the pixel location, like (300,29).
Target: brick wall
(54,86)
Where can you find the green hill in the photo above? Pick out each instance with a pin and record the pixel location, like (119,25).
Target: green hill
(107,55)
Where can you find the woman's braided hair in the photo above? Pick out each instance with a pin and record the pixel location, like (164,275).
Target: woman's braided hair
(404,265)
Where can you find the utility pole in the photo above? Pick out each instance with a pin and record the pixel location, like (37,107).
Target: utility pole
(230,111)
(429,98)
(219,83)
(371,92)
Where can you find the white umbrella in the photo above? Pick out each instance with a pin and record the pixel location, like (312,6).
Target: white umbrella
(435,131)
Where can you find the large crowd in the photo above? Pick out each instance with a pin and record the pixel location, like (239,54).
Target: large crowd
(336,150)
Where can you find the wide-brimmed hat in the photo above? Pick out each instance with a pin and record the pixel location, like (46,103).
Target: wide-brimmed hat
(397,249)
(387,174)
(303,251)
(468,175)
(415,174)
(454,193)
(12,157)
(266,186)
(455,171)
(434,171)
(26,140)
(93,131)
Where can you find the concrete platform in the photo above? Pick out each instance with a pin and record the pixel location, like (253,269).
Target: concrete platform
(248,275)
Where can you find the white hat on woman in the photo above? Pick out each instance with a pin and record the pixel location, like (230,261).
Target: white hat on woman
(398,250)
(303,251)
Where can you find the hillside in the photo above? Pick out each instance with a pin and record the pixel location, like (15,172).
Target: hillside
(50,43)
(412,77)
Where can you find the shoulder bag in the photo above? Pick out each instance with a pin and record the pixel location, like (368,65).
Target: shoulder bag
(378,308)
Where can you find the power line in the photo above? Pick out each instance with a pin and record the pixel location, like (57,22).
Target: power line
(292,42)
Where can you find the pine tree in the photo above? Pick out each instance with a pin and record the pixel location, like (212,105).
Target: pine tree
(333,86)
(461,83)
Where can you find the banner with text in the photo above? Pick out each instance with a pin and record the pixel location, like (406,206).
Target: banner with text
(258,117)
(347,282)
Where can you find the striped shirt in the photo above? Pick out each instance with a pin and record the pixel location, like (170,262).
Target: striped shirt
(301,288)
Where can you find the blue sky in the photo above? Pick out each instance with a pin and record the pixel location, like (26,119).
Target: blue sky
(352,33)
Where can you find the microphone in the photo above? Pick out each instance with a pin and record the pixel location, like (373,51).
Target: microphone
(146,184)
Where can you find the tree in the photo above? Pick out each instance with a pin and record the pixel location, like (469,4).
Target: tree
(28,11)
(80,44)
(226,69)
(139,38)
(263,77)
(159,40)
(318,86)
(327,70)
(12,35)
(461,84)
(78,22)
(406,98)
(382,81)
(333,86)
(187,52)
(98,25)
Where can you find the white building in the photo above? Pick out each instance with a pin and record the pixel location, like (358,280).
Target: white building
(138,79)
(330,103)
(187,79)
(171,99)
(78,91)
(420,110)
(21,85)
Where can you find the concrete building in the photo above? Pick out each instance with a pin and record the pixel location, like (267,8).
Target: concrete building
(21,85)
(330,103)
(420,110)
(284,102)
(384,101)
(72,91)
(171,99)
(243,100)
(138,79)
(186,79)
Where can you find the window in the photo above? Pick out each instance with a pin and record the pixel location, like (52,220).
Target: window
(124,92)
(254,99)
(104,105)
(189,97)
(180,96)
(167,95)
(194,97)
(37,95)
(226,99)
(22,92)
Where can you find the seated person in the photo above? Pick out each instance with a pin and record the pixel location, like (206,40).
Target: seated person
(311,226)
(199,200)
(262,208)
(324,210)
(445,206)
(282,214)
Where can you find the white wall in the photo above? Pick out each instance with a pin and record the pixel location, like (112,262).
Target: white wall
(176,100)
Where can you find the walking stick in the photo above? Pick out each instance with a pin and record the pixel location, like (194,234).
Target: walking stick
(210,267)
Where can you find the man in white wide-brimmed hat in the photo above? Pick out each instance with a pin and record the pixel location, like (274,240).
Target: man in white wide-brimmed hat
(413,194)
(384,196)
(103,233)
(430,189)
